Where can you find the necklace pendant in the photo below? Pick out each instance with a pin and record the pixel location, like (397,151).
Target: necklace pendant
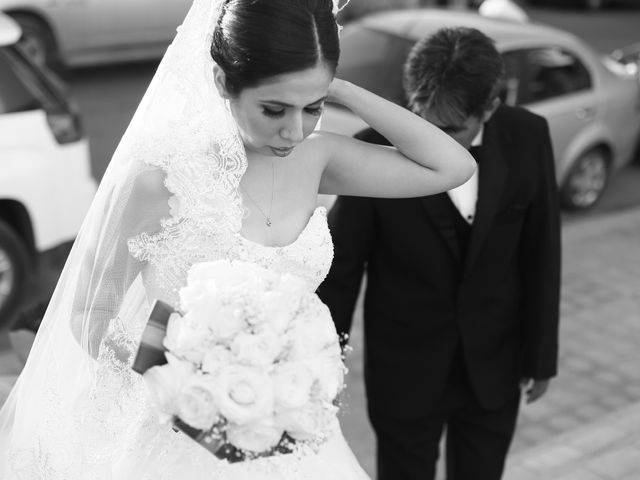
(268,222)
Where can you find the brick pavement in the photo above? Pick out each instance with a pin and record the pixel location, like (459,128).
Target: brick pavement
(587,427)
(606,449)
(599,329)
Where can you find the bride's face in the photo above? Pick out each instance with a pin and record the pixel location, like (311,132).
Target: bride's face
(276,116)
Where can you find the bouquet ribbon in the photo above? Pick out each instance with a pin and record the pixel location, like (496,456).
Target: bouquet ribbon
(151,350)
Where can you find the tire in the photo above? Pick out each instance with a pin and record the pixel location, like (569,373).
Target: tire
(38,40)
(586,180)
(15,272)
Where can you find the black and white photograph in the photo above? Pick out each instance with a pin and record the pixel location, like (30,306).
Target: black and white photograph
(319,239)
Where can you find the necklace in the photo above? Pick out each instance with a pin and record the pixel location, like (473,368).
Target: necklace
(273,183)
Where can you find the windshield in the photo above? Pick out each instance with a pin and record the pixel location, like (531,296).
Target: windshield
(373,60)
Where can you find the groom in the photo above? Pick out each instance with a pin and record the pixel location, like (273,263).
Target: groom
(462,295)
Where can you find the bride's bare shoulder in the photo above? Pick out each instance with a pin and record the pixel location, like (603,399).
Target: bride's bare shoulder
(321,144)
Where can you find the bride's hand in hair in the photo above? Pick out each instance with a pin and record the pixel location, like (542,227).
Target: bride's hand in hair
(337,91)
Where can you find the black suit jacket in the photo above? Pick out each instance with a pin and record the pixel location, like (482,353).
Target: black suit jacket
(499,300)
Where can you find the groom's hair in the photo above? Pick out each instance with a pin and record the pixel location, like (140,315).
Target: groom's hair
(257,39)
(457,70)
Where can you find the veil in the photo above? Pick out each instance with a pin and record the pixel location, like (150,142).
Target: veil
(181,147)
(168,199)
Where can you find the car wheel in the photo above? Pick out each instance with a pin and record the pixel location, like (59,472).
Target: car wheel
(37,40)
(14,274)
(586,180)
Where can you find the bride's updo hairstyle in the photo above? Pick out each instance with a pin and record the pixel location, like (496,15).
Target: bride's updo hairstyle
(258,39)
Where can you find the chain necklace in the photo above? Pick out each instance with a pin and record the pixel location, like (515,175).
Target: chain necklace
(273,183)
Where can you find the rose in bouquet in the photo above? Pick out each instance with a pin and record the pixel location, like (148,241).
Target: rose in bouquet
(251,363)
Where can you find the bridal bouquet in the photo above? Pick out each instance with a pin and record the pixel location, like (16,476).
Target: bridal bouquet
(250,366)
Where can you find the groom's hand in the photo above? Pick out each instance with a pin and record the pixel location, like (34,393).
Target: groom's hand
(534,389)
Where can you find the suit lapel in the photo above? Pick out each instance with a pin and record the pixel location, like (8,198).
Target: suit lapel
(439,209)
(492,173)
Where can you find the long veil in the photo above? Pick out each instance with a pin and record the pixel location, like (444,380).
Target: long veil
(68,415)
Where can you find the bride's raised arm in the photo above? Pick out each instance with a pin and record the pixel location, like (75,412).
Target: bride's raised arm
(425,161)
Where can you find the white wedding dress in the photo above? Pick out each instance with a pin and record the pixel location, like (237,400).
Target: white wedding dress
(117,433)
(160,453)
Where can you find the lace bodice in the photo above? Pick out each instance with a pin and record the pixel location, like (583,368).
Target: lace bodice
(308,257)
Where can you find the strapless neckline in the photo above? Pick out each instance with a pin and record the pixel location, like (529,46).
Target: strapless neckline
(302,233)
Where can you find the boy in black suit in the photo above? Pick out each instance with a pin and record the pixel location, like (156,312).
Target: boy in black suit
(462,298)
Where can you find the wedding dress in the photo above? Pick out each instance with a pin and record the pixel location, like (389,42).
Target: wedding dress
(121,436)
(169,455)
(168,200)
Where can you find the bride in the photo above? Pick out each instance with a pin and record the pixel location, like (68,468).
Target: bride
(221,160)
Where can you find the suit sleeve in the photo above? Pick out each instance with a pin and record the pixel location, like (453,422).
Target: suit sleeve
(352,229)
(541,257)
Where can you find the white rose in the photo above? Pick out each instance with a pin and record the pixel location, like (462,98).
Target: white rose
(258,436)
(312,421)
(293,284)
(197,402)
(278,310)
(226,321)
(195,292)
(205,272)
(210,308)
(186,337)
(312,332)
(258,349)
(164,383)
(328,373)
(215,359)
(292,384)
(229,275)
(245,394)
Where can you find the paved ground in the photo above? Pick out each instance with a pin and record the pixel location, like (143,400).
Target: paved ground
(607,449)
(599,362)
(588,425)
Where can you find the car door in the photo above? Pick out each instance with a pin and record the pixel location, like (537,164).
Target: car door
(81,25)
(556,84)
(147,23)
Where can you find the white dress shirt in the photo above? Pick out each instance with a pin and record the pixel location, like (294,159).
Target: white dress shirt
(465,196)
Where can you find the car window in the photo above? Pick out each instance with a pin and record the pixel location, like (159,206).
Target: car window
(511,92)
(22,86)
(374,60)
(551,72)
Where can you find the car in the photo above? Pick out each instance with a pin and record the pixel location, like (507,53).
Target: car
(592,102)
(629,57)
(46,185)
(73,33)
(590,4)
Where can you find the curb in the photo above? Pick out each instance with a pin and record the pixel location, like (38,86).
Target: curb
(601,224)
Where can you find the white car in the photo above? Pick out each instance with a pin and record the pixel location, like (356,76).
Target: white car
(88,32)
(592,103)
(46,185)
